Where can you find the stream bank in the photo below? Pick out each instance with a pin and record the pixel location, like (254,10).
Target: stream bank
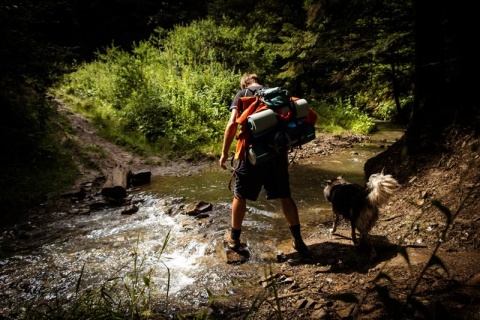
(338,281)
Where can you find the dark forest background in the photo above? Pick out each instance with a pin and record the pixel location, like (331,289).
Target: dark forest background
(418,54)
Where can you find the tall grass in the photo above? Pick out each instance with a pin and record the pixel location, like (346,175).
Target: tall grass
(129,293)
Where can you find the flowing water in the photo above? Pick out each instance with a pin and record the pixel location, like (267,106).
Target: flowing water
(50,262)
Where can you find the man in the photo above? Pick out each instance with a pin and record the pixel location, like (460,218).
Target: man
(272,175)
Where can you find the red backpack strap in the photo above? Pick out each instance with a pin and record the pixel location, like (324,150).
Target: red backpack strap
(245,107)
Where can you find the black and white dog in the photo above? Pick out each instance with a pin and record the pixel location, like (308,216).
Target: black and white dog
(360,205)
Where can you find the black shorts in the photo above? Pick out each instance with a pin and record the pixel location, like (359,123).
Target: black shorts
(272,175)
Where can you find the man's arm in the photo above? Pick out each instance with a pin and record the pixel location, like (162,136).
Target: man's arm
(229,135)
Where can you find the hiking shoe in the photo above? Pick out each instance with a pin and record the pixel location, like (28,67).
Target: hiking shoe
(231,243)
(300,247)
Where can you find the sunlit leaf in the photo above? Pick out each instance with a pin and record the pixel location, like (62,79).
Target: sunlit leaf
(210,294)
(146,281)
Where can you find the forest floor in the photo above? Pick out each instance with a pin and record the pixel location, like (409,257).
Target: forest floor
(427,239)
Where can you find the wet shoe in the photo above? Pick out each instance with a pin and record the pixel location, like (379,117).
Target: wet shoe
(300,247)
(233,244)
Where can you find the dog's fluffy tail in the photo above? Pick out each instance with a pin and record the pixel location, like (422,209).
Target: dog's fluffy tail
(380,188)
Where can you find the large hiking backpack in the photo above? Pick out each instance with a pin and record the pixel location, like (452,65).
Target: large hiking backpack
(271,122)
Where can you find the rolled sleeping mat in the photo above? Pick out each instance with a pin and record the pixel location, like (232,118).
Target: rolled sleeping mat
(301,105)
(261,122)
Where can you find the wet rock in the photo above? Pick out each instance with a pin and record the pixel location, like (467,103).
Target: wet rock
(98,205)
(195,209)
(80,211)
(236,256)
(202,216)
(22,231)
(75,194)
(130,210)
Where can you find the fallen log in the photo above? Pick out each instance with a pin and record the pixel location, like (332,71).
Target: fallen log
(139,178)
(116,184)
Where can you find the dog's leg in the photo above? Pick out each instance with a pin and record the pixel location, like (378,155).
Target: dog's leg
(368,243)
(354,236)
(336,217)
(373,253)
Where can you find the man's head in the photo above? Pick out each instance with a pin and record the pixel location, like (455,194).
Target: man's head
(248,79)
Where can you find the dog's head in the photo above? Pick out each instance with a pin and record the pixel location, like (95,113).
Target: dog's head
(336,181)
(329,184)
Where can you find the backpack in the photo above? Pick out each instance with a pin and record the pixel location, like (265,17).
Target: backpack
(271,121)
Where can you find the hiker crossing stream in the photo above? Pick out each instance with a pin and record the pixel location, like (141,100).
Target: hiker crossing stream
(182,255)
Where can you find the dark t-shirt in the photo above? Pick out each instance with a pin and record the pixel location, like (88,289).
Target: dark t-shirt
(250,91)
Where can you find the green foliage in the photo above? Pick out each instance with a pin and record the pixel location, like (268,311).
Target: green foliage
(360,51)
(173,99)
(170,94)
(341,117)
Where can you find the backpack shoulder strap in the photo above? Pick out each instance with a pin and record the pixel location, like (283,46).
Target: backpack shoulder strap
(245,107)
(249,105)
(247,90)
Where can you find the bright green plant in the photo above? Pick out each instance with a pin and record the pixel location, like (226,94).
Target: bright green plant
(171,96)
(342,117)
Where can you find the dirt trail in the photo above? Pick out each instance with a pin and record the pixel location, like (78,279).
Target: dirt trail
(411,226)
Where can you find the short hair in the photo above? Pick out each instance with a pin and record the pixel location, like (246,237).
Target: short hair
(248,79)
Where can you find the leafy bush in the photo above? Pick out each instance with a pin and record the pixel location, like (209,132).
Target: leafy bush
(340,117)
(170,94)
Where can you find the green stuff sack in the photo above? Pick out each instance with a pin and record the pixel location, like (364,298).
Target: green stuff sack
(274,98)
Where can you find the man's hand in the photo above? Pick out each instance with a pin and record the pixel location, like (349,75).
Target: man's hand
(222,161)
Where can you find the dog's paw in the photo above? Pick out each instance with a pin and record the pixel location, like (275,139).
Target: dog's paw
(332,230)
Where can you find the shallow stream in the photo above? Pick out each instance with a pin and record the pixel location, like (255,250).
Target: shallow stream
(50,262)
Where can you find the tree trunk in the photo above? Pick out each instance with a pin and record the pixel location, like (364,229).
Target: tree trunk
(116,184)
(446,70)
